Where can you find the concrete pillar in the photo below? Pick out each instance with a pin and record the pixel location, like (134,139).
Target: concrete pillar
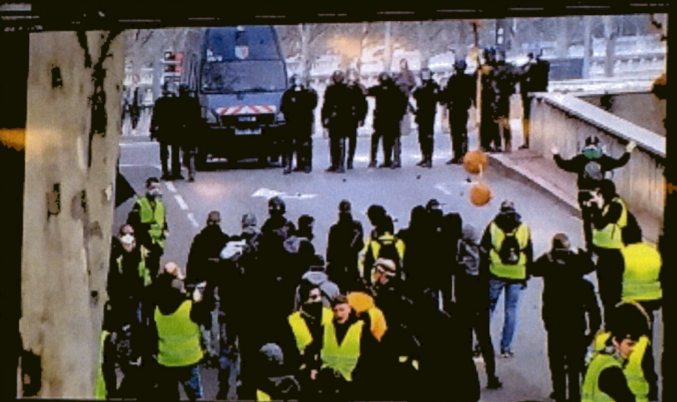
(72,134)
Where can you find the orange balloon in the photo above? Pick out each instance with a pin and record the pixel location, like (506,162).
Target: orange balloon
(480,194)
(473,160)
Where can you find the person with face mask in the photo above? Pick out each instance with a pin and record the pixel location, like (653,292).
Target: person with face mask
(591,165)
(337,117)
(459,95)
(391,105)
(359,112)
(298,104)
(426,95)
(148,217)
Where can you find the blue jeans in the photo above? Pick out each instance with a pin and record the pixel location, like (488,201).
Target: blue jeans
(169,378)
(512,298)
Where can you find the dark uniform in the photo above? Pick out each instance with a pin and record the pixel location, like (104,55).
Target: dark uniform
(163,128)
(504,81)
(298,104)
(488,107)
(189,126)
(426,97)
(359,113)
(391,104)
(337,116)
(459,94)
(534,78)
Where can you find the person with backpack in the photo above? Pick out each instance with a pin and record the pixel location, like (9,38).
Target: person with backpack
(591,165)
(507,245)
(570,312)
(383,245)
(472,298)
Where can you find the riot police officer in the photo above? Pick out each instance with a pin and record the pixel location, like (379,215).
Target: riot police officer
(298,104)
(359,112)
(426,95)
(459,94)
(489,130)
(337,118)
(391,104)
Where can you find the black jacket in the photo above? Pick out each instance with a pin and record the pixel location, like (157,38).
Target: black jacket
(338,110)
(204,255)
(391,104)
(427,96)
(578,162)
(460,92)
(298,105)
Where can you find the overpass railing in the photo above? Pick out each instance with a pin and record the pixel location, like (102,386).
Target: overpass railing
(564,121)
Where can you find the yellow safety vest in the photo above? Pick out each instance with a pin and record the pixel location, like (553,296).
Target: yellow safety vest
(342,358)
(301,330)
(497,267)
(179,343)
(156,217)
(262,396)
(142,270)
(633,369)
(640,277)
(610,236)
(100,391)
(591,391)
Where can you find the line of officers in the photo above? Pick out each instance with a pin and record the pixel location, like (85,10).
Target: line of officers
(345,108)
(368,324)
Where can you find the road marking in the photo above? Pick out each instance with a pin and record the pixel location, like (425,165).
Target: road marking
(181,202)
(192,220)
(170,187)
(268,193)
(443,189)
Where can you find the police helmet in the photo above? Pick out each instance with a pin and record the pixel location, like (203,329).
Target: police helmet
(460,65)
(276,205)
(383,77)
(338,76)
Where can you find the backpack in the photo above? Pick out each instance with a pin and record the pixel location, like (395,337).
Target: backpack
(468,257)
(510,249)
(389,250)
(593,171)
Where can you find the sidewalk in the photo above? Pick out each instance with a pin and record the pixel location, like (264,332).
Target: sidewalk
(537,170)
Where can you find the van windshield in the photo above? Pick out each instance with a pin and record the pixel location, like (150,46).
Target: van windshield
(243,76)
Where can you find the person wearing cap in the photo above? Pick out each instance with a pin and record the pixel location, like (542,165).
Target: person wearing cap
(344,243)
(570,312)
(471,291)
(507,245)
(615,369)
(426,95)
(148,217)
(609,218)
(273,381)
(178,352)
(298,104)
(459,94)
(591,165)
(164,125)
(346,355)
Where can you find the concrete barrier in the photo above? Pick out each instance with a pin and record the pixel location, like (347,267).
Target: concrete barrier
(565,121)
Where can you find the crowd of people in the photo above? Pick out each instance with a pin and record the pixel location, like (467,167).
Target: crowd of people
(380,315)
(344,109)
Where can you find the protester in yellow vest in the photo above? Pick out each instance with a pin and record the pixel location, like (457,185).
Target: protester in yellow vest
(347,354)
(149,219)
(177,318)
(609,218)
(507,245)
(382,245)
(615,371)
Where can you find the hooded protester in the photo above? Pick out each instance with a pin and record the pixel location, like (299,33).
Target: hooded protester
(272,381)
(344,243)
(471,290)
(317,276)
(571,314)
(507,244)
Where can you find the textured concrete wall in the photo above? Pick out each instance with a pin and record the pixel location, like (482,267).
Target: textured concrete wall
(566,121)
(641,108)
(73,129)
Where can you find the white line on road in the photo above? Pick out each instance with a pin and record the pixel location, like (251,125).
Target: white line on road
(192,220)
(443,189)
(181,202)
(170,187)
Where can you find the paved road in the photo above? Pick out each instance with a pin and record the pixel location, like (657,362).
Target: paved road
(238,191)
